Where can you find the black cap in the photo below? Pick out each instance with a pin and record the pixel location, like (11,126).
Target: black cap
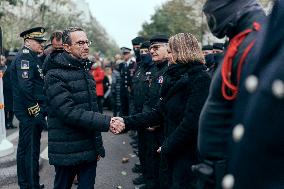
(138,40)
(159,39)
(125,50)
(37,33)
(218,46)
(145,45)
(207,47)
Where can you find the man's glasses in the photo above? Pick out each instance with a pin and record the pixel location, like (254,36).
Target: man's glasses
(82,43)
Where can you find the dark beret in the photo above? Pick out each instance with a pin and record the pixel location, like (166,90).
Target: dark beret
(159,39)
(138,40)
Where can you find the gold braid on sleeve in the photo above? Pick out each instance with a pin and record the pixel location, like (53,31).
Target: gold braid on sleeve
(34,110)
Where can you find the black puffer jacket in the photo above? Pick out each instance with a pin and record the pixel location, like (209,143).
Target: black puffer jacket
(73,121)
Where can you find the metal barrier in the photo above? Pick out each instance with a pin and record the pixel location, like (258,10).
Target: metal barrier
(6,147)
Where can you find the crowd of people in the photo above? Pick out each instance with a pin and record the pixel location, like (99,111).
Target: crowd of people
(188,131)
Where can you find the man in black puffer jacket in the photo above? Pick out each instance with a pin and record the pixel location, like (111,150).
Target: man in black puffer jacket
(74,124)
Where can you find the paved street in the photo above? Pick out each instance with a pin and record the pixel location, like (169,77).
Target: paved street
(111,172)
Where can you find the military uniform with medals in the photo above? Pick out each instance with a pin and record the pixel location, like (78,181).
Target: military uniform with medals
(153,138)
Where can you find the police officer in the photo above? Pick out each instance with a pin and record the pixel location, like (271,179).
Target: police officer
(151,138)
(136,43)
(153,135)
(141,89)
(127,71)
(29,106)
(216,119)
(136,98)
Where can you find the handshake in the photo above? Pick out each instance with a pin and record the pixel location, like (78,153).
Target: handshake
(117,125)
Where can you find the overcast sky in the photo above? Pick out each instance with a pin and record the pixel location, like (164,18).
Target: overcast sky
(123,19)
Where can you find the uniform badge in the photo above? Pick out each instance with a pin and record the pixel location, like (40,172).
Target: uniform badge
(25,75)
(26,51)
(160,79)
(40,71)
(148,75)
(25,65)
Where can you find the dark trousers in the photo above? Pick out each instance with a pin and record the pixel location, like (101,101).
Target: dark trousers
(100,101)
(142,149)
(28,153)
(124,99)
(152,158)
(175,172)
(86,175)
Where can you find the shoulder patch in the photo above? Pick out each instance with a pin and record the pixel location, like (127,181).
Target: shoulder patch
(26,51)
(25,64)
(25,75)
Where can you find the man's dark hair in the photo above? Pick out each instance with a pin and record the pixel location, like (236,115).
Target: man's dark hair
(66,37)
(57,35)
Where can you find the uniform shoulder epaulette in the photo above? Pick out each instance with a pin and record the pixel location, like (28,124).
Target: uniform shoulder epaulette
(26,51)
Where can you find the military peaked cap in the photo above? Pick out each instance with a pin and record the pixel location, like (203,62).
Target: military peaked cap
(125,50)
(37,33)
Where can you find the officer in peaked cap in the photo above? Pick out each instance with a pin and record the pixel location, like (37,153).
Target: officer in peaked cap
(158,49)
(125,50)
(127,71)
(29,105)
(37,33)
